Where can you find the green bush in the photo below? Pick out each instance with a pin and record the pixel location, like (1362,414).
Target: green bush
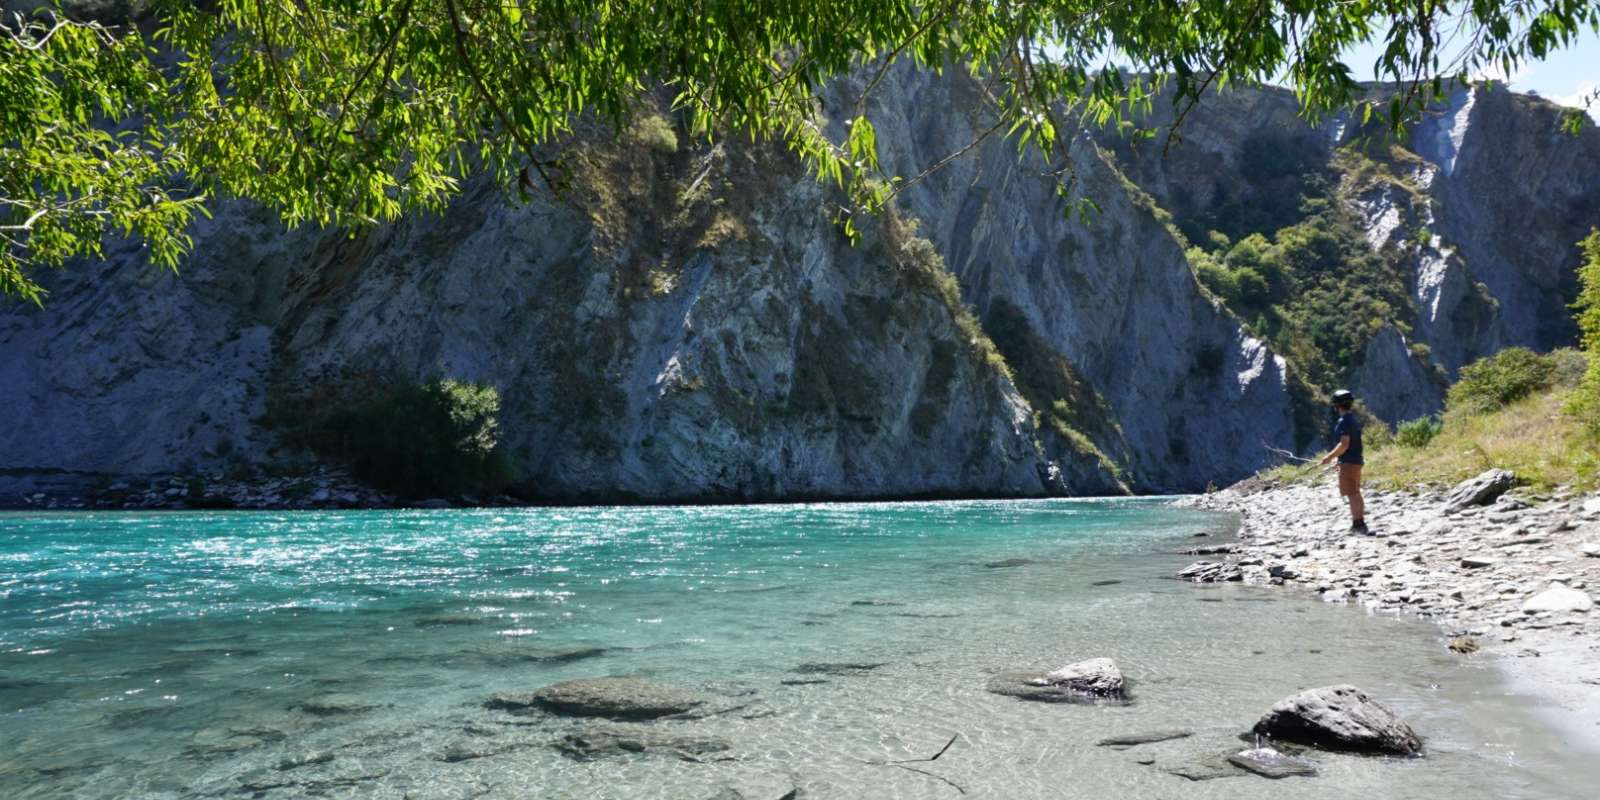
(1418,432)
(1501,379)
(434,439)
(1584,402)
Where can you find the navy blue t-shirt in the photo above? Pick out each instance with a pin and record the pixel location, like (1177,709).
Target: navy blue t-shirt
(1349,425)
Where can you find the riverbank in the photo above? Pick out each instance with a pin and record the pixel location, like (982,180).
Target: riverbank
(1511,580)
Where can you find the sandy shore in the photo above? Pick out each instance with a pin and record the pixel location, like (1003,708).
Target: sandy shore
(1476,571)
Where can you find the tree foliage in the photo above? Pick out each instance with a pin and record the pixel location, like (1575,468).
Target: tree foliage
(346,112)
(1584,403)
(439,438)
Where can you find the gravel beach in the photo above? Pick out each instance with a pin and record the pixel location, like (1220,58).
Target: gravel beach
(1509,578)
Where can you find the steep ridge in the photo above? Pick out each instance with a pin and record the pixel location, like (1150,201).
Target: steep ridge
(1192,396)
(1476,212)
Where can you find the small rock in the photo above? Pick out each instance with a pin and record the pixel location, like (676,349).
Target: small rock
(1211,572)
(1477,562)
(1463,645)
(1481,490)
(1338,718)
(1559,598)
(1269,763)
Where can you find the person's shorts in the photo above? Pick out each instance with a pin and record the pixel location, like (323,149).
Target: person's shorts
(1349,478)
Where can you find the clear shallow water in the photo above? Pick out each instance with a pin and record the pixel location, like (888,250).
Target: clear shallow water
(348,654)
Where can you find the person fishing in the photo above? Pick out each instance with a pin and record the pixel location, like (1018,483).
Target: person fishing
(1347,450)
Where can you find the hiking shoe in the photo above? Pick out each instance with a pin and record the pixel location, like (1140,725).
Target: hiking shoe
(1360,528)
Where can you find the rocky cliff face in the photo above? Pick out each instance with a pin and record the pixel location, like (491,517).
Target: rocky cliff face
(689,323)
(1479,208)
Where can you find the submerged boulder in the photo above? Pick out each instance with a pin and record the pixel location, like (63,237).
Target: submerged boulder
(1481,490)
(1339,718)
(1083,681)
(597,741)
(610,698)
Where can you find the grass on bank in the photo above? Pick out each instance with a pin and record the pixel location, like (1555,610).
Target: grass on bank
(1533,437)
(1511,411)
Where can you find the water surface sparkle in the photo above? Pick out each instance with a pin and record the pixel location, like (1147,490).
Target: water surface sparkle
(277,655)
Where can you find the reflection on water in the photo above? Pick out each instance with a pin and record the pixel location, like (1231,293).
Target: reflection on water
(349,654)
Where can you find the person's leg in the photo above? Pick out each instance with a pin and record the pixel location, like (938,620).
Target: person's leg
(1348,489)
(1358,504)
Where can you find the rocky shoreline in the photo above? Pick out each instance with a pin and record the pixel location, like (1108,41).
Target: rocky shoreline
(1505,572)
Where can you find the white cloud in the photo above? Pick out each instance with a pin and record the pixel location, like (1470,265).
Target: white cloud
(1584,93)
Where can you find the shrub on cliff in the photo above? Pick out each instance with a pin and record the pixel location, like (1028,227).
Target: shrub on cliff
(1584,402)
(438,438)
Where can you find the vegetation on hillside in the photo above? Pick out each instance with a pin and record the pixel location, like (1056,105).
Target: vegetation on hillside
(349,112)
(1314,289)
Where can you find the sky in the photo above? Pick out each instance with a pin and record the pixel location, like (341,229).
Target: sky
(1566,77)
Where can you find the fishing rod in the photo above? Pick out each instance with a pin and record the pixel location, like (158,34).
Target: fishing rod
(1282,453)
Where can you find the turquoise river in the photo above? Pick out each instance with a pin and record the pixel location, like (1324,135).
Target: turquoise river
(349,654)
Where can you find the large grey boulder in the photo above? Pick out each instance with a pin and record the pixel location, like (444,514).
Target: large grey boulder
(1479,491)
(610,698)
(1083,681)
(1339,718)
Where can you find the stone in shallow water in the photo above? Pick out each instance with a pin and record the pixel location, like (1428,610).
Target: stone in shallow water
(596,741)
(612,698)
(330,705)
(1094,680)
(1009,562)
(1205,769)
(1270,763)
(1096,676)
(468,751)
(1133,740)
(1339,718)
(447,620)
(839,668)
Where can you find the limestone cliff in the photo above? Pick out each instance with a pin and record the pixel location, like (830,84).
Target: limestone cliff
(689,324)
